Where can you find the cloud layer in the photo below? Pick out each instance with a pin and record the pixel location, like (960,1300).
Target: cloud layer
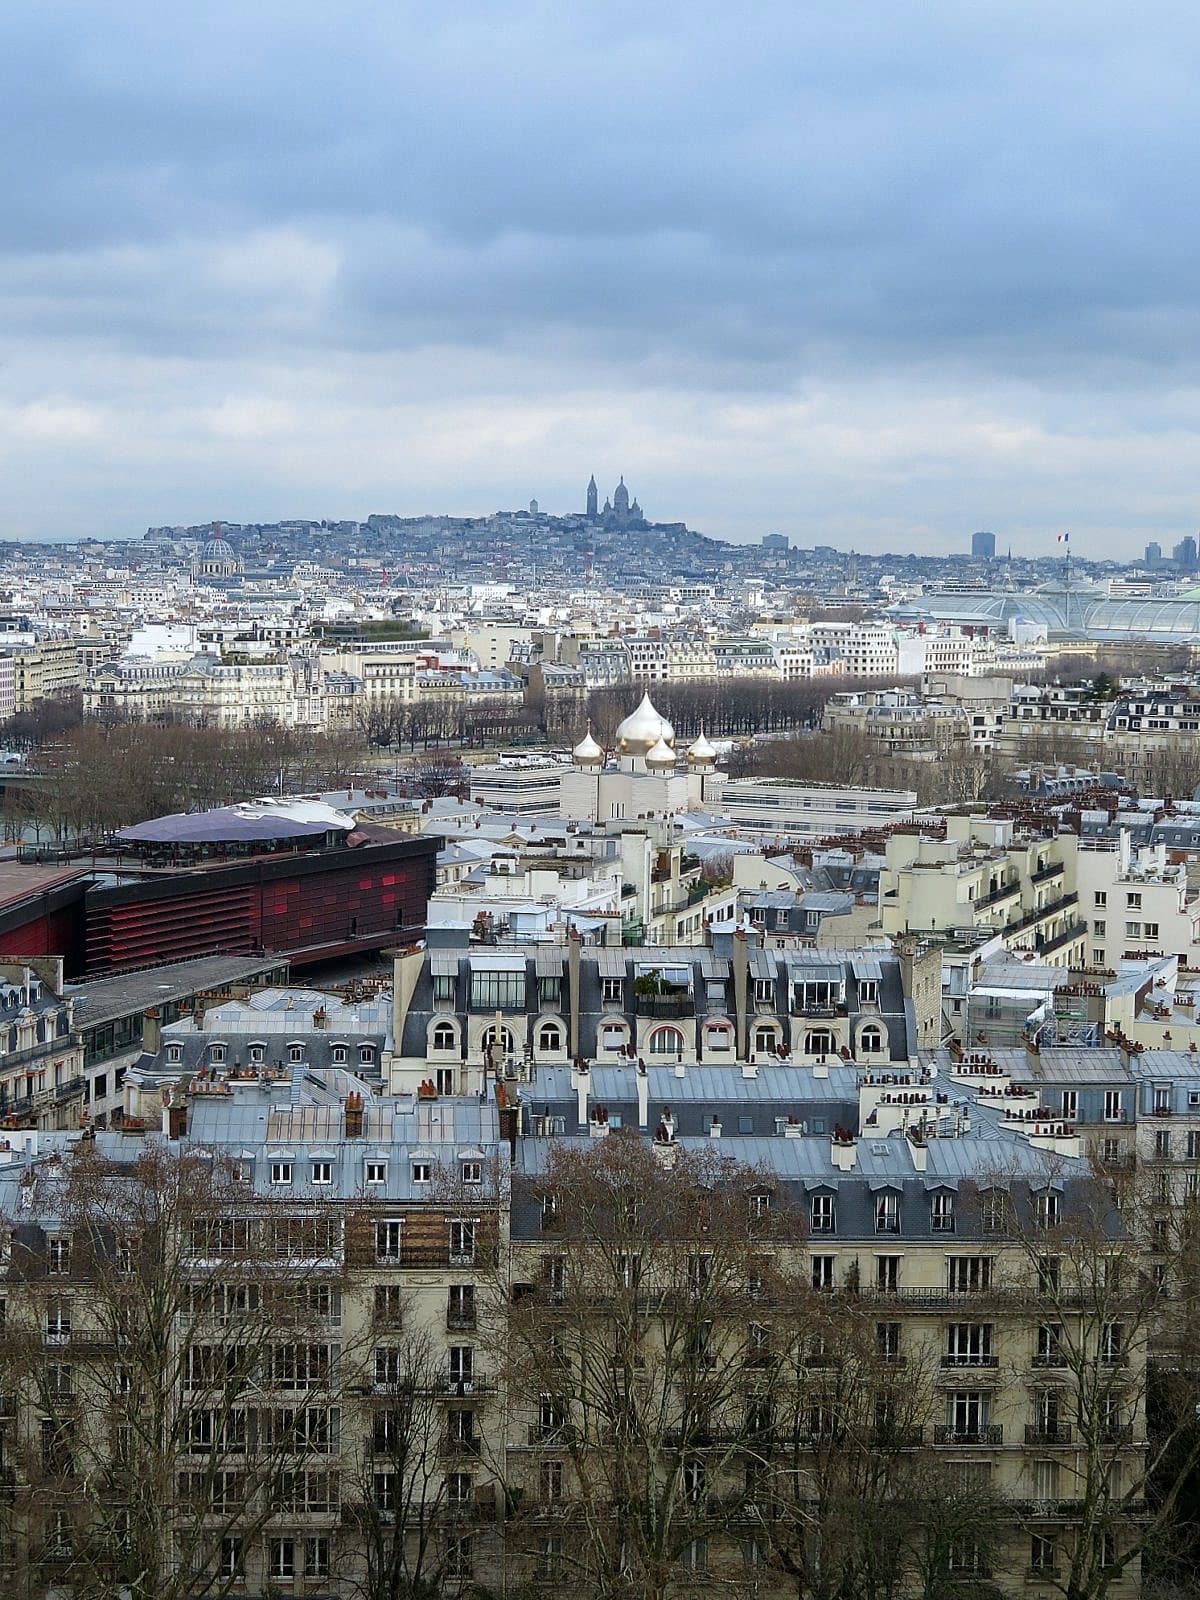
(872,275)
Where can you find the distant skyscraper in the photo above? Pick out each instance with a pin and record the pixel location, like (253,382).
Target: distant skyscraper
(1153,554)
(983,546)
(593,497)
(1185,553)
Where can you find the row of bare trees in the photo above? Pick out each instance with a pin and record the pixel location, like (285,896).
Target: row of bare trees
(701,1393)
(94,778)
(200,1385)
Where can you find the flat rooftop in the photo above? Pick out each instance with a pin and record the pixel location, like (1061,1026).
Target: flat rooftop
(18,881)
(104,999)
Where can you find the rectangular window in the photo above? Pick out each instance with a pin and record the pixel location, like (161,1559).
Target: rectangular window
(422,1172)
(58,1263)
(1114,1105)
(1150,930)
(969,1344)
(472,1172)
(888,1336)
(1049,1345)
(316,1557)
(611,990)
(462,1243)
(1193,1144)
(887,1212)
(550,1481)
(387,1239)
(822,1272)
(460,1306)
(283,1560)
(1043,1554)
(1100,928)
(1134,901)
(281,1172)
(1070,1104)
(887,1273)
(822,1213)
(231,1558)
(969,1274)
(389,1303)
(764,990)
(1162,1143)
(1045,1208)
(376,1172)
(497,991)
(1100,898)
(322,1172)
(941,1213)
(1133,930)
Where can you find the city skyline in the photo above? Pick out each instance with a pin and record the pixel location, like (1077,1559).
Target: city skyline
(874,286)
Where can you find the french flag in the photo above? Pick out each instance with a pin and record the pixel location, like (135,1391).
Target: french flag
(1064,538)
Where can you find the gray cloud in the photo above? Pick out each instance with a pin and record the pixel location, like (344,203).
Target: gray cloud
(687,241)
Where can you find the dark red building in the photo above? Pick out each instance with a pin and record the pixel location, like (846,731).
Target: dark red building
(310,904)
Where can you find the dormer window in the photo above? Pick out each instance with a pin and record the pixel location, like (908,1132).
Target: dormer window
(257,1054)
(295,1053)
(868,991)
(174,1053)
(338,1055)
(216,1054)
(366,1054)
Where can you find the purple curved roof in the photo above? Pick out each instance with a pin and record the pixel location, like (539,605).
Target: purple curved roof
(226,824)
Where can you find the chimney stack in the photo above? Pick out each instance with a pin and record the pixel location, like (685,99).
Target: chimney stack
(582,1085)
(354,1115)
(643,1095)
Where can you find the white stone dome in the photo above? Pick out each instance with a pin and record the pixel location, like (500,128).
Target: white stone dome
(587,753)
(643,729)
(661,755)
(701,753)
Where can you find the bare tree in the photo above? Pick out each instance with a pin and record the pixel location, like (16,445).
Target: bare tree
(634,1362)
(170,1351)
(1109,1265)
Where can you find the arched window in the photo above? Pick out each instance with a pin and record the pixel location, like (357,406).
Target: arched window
(549,1037)
(718,1036)
(499,1038)
(666,1042)
(819,1042)
(870,1040)
(366,1053)
(295,1052)
(338,1055)
(257,1054)
(765,1037)
(444,1036)
(216,1054)
(613,1036)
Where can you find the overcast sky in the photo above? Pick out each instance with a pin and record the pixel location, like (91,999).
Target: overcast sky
(874,275)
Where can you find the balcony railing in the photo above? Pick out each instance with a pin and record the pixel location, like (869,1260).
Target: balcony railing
(987,1433)
(664,1005)
(956,1358)
(1043,1433)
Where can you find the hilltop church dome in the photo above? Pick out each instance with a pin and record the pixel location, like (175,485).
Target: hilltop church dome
(643,729)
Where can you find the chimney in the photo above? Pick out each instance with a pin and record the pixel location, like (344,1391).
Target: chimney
(354,1115)
(582,1085)
(510,1118)
(643,1095)
(741,966)
(573,988)
(151,1031)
